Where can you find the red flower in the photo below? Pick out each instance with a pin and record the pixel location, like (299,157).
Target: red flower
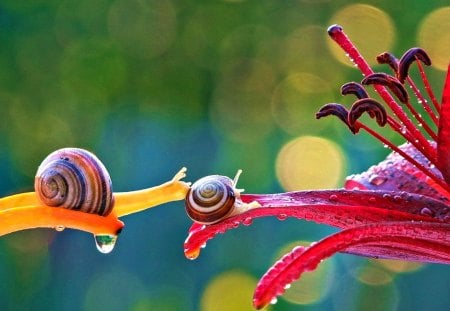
(398,209)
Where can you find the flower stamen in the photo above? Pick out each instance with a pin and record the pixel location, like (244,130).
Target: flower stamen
(390,82)
(392,61)
(408,58)
(354,89)
(372,107)
(337,34)
(400,92)
(419,56)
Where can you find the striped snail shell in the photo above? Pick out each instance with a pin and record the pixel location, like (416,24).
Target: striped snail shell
(210,199)
(75,179)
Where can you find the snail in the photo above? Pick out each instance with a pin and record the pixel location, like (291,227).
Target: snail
(75,179)
(214,198)
(73,189)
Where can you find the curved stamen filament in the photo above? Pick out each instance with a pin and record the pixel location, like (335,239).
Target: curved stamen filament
(423,101)
(427,86)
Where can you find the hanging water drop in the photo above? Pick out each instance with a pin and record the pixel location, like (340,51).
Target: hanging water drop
(247,221)
(274,301)
(60,228)
(192,254)
(281,217)
(105,242)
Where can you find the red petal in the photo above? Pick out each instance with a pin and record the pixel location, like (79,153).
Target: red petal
(443,143)
(397,174)
(339,208)
(431,240)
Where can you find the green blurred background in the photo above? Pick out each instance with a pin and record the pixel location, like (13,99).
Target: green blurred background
(151,86)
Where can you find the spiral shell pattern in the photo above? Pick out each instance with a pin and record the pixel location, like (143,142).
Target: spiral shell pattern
(210,199)
(76,179)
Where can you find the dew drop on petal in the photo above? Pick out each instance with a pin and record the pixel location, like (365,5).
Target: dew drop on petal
(333,197)
(281,216)
(105,242)
(60,228)
(274,301)
(377,180)
(287,286)
(247,221)
(426,211)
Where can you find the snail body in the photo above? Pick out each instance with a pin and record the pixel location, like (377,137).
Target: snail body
(75,179)
(214,198)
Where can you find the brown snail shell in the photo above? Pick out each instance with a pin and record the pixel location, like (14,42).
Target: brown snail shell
(75,179)
(210,199)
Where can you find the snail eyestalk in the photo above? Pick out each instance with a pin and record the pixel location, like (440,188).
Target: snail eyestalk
(135,201)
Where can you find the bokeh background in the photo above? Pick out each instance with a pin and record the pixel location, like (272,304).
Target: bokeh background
(154,85)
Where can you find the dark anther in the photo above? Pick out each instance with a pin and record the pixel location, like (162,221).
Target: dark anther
(389,59)
(369,105)
(336,110)
(333,29)
(392,83)
(355,89)
(407,59)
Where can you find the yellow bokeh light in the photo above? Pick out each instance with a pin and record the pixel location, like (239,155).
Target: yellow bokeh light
(232,290)
(434,37)
(313,286)
(370,29)
(310,162)
(296,100)
(373,275)
(399,266)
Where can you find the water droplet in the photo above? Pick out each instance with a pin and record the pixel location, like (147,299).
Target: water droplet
(377,180)
(60,228)
(333,198)
(105,242)
(281,216)
(247,221)
(426,211)
(274,301)
(372,199)
(203,245)
(192,254)
(287,286)
(403,129)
